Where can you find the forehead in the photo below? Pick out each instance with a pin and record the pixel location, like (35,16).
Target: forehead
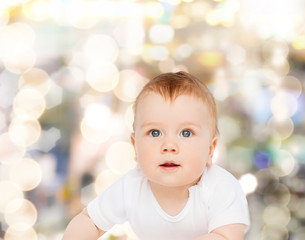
(186,107)
(154,96)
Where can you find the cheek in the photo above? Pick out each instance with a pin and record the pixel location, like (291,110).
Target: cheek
(144,149)
(197,151)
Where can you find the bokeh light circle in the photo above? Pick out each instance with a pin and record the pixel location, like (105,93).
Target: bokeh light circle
(105,179)
(277,215)
(153,10)
(94,135)
(21,214)
(120,156)
(161,33)
(11,41)
(284,163)
(101,47)
(38,10)
(129,86)
(283,105)
(12,192)
(27,31)
(26,174)
(13,234)
(10,152)
(284,127)
(37,79)
(24,133)
(97,116)
(277,193)
(102,77)
(25,61)
(29,104)
(274,232)
(248,183)
(292,85)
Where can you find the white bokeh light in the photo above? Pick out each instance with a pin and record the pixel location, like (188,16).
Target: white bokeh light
(161,33)
(248,183)
(97,115)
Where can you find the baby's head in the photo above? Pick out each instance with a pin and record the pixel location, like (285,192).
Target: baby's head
(172,85)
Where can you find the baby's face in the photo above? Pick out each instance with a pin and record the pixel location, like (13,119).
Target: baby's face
(172,140)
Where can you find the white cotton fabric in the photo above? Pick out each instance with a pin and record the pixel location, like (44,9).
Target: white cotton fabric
(215,201)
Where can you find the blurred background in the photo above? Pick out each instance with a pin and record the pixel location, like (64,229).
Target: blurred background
(71,69)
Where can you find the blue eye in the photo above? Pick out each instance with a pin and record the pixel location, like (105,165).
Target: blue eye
(155,133)
(186,133)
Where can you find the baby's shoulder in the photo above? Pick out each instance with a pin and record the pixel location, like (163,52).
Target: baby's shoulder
(133,179)
(215,174)
(217,183)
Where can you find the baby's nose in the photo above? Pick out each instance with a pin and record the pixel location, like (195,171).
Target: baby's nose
(169,148)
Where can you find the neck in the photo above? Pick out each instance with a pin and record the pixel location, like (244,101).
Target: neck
(171,199)
(169,192)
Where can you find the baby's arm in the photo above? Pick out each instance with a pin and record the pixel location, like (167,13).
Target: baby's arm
(227,232)
(82,227)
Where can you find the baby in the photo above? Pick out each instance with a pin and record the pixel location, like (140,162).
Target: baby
(175,192)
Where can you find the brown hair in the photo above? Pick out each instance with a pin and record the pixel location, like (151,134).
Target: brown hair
(172,85)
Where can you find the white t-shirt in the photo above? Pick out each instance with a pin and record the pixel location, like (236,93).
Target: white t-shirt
(216,200)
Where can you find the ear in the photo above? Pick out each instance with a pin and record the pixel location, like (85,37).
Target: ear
(212,150)
(133,141)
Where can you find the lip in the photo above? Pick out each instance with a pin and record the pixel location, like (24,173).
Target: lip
(169,166)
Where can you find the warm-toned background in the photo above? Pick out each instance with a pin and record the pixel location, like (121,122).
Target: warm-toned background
(71,69)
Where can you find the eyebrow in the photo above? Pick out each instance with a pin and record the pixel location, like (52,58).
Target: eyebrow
(147,124)
(191,124)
